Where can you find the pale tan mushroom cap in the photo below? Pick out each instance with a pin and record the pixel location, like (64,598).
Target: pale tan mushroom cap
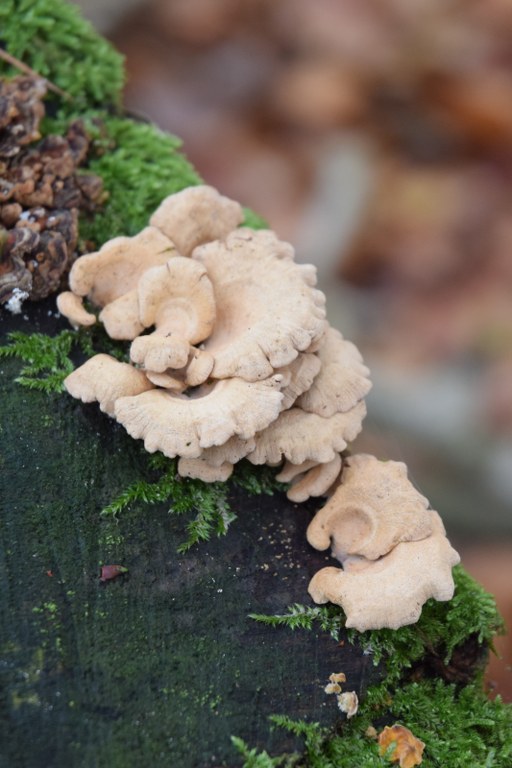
(120,317)
(298,377)
(178,298)
(71,306)
(199,367)
(299,436)
(267,308)
(373,508)
(391,591)
(195,372)
(289,472)
(107,274)
(199,469)
(343,378)
(216,463)
(269,242)
(232,451)
(104,379)
(310,478)
(196,215)
(159,352)
(348,703)
(179,425)
(167,380)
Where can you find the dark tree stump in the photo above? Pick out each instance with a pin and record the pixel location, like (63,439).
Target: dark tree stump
(160,666)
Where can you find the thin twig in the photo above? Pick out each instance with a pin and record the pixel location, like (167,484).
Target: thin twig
(14,62)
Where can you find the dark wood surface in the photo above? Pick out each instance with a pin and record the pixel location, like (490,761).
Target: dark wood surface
(162,665)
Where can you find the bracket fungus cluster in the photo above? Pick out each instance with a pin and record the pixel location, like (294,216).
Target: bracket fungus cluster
(232,357)
(393,548)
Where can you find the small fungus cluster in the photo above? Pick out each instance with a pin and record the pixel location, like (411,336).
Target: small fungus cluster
(232,357)
(347,701)
(393,548)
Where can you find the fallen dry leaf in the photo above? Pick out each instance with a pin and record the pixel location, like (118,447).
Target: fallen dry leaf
(109,572)
(408,749)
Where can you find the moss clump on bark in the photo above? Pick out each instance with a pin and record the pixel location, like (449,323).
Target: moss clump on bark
(461,728)
(452,714)
(440,631)
(51,37)
(140,166)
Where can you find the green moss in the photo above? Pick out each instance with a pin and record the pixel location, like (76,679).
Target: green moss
(140,165)
(139,168)
(442,627)
(460,729)
(254,220)
(51,37)
(207,502)
(184,495)
(48,358)
(256,480)
(255,759)
(328,618)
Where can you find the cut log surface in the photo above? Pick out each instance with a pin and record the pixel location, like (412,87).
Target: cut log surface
(161,665)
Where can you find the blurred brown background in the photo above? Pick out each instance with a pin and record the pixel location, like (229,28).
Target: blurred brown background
(377,138)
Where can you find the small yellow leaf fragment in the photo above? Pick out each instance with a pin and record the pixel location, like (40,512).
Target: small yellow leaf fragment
(348,703)
(371,732)
(407,750)
(338,677)
(332,688)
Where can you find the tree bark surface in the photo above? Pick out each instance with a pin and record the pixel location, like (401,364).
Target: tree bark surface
(162,665)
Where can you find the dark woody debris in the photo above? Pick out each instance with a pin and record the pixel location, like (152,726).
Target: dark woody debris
(42,191)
